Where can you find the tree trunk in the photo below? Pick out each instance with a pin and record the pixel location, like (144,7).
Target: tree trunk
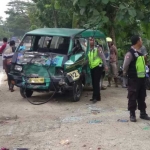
(112,29)
(55,18)
(112,33)
(75,21)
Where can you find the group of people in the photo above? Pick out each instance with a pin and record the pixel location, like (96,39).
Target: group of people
(7,52)
(133,68)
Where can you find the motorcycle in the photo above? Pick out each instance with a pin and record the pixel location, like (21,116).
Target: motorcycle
(123,80)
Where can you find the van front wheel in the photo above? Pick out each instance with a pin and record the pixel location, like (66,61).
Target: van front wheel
(77,91)
(25,93)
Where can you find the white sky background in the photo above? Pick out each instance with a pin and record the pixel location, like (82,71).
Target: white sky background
(3,8)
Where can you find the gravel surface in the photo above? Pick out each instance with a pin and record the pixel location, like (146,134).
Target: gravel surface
(64,125)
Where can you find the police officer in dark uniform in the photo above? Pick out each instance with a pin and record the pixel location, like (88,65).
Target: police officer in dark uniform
(134,68)
(96,60)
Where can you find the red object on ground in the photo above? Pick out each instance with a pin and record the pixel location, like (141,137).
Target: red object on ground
(4,148)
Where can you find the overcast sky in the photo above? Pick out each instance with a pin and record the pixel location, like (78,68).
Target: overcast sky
(3,8)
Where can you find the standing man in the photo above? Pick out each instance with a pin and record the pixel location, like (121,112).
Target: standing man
(112,62)
(134,67)
(8,54)
(96,60)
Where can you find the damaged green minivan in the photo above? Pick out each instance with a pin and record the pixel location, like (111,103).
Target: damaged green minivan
(54,59)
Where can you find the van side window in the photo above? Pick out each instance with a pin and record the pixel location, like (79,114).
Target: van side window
(80,45)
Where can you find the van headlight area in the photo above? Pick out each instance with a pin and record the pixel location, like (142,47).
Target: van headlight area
(18,68)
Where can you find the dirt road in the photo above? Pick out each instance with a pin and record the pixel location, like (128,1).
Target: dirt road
(64,125)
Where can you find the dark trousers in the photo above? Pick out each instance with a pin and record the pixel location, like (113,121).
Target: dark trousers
(96,75)
(7,70)
(136,94)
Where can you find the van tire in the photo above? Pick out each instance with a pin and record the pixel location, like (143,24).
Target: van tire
(26,93)
(77,91)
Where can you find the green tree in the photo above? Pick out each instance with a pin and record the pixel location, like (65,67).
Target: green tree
(4,32)
(33,17)
(145,29)
(1,20)
(18,21)
(54,13)
(113,14)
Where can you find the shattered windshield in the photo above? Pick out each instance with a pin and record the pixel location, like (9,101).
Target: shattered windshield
(39,43)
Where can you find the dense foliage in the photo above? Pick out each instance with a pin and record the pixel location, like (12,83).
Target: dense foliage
(117,19)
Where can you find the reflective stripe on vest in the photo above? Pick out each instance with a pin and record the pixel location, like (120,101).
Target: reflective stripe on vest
(94,59)
(140,67)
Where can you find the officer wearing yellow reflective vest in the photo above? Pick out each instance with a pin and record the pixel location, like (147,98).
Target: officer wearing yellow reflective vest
(134,68)
(96,60)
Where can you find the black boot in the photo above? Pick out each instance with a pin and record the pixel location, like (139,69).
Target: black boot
(143,115)
(95,100)
(91,99)
(132,116)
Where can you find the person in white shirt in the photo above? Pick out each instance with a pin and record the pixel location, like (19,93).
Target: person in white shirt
(7,57)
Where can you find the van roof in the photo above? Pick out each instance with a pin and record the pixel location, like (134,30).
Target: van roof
(67,32)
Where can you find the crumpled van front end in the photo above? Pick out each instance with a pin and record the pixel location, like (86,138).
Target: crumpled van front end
(37,71)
